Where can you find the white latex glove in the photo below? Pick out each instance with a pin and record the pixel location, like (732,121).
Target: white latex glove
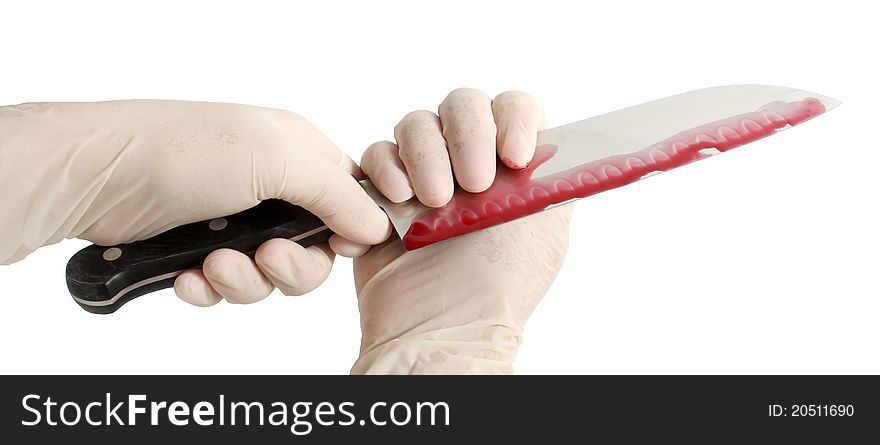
(116,172)
(458,306)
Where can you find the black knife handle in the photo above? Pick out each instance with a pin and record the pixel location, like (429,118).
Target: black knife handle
(103,278)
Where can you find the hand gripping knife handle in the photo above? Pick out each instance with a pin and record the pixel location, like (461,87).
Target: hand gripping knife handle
(103,278)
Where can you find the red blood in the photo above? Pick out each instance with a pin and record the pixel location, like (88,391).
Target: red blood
(515,194)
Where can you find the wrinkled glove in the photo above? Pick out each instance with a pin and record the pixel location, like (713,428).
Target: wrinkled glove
(116,172)
(458,306)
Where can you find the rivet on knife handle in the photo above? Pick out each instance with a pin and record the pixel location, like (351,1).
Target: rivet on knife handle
(103,278)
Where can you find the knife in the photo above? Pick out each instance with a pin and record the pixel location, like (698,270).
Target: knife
(571,162)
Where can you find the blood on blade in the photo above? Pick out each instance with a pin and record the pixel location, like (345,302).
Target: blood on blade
(515,194)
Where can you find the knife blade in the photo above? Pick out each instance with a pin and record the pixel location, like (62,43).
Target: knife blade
(571,162)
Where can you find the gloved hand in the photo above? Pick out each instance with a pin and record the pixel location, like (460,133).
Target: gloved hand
(458,306)
(116,172)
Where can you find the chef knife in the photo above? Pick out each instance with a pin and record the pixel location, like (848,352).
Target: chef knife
(571,162)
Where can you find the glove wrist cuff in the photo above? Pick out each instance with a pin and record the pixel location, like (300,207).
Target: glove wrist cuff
(460,350)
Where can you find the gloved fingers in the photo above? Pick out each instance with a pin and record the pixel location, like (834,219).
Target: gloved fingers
(381,162)
(519,117)
(348,164)
(423,152)
(295,270)
(347,248)
(192,286)
(295,127)
(234,275)
(330,193)
(469,130)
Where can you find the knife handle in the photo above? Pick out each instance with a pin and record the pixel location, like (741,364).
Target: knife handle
(103,278)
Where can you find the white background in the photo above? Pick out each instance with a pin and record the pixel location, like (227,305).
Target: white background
(762,260)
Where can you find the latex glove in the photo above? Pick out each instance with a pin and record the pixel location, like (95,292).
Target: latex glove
(458,306)
(116,172)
